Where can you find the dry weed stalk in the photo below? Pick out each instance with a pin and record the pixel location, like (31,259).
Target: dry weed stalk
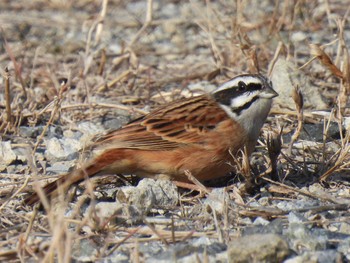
(17,67)
(157,233)
(345,84)
(299,103)
(146,24)
(7,96)
(56,108)
(343,74)
(103,60)
(277,19)
(6,119)
(322,56)
(119,243)
(209,28)
(280,48)
(99,27)
(315,196)
(60,245)
(342,161)
(242,166)
(274,146)
(250,51)
(18,191)
(196,182)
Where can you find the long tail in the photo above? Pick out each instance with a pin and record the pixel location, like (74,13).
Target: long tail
(65,181)
(51,190)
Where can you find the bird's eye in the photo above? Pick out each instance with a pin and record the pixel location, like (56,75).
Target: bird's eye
(242,86)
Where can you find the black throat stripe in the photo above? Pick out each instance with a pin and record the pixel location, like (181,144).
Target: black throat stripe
(244,106)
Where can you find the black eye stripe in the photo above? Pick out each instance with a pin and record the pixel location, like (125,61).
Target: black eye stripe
(225,96)
(254,86)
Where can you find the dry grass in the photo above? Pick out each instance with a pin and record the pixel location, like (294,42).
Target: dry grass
(52,81)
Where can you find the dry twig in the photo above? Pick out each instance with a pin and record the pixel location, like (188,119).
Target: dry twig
(196,182)
(315,196)
(320,54)
(146,24)
(7,96)
(274,146)
(299,103)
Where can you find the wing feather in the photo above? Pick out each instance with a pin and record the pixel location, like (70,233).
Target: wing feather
(168,127)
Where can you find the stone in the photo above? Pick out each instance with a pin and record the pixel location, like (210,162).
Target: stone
(149,194)
(62,149)
(326,256)
(7,155)
(258,248)
(285,76)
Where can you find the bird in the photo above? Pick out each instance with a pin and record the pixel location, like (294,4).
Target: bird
(200,134)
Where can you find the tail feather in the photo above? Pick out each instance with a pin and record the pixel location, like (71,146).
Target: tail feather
(97,166)
(51,189)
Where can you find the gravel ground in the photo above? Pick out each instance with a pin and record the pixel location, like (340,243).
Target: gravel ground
(77,69)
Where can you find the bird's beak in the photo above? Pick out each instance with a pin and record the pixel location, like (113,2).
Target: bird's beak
(268,93)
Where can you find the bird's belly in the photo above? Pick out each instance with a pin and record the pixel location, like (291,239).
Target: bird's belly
(202,164)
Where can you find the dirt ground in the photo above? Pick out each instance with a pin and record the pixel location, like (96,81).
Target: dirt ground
(72,70)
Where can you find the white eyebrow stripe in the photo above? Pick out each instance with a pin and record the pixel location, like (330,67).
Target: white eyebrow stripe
(234,82)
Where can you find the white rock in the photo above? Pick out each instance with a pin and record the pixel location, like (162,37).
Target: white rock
(7,155)
(216,200)
(285,76)
(298,36)
(107,209)
(89,130)
(149,194)
(62,149)
(261,221)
